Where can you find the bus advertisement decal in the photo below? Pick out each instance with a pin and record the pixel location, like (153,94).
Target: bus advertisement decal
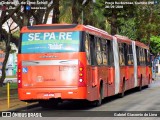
(50,42)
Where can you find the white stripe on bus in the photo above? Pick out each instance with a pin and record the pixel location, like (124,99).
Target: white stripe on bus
(49,62)
(116,64)
(135,63)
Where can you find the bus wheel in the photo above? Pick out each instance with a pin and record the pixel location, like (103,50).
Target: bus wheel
(99,102)
(123,89)
(48,103)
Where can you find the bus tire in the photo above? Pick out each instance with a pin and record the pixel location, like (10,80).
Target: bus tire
(48,103)
(121,95)
(99,101)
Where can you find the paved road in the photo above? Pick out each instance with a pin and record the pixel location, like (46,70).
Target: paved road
(146,100)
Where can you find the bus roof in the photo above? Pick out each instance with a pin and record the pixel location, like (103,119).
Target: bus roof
(141,45)
(127,40)
(123,39)
(78,27)
(66,27)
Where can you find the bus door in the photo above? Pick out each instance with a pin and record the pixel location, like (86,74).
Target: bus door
(91,69)
(94,67)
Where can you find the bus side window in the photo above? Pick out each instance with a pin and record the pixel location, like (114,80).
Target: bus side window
(121,54)
(141,56)
(137,52)
(92,50)
(98,51)
(149,58)
(104,52)
(130,55)
(144,57)
(125,53)
(110,53)
(146,61)
(87,48)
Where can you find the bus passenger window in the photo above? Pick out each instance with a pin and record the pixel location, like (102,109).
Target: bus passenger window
(130,55)
(142,59)
(104,52)
(92,50)
(121,54)
(87,48)
(110,53)
(98,52)
(148,57)
(138,56)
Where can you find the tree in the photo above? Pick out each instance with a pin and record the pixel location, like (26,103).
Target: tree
(56,12)
(40,16)
(21,18)
(155,45)
(115,15)
(147,22)
(6,38)
(128,28)
(82,12)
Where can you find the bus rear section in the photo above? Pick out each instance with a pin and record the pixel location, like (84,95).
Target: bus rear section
(51,67)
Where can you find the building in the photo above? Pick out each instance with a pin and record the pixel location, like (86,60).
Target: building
(11,66)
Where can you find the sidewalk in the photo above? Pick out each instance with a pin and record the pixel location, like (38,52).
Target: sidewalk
(15,103)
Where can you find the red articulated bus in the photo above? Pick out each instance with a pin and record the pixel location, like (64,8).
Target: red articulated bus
(78,62)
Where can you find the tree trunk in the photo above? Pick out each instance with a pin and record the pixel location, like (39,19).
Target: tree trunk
(148,38)
(8,48)
(113,23)
(56,12)
(75,13)
(149,30)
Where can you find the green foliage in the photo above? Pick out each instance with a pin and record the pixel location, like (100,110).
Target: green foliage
(16,34)
(65,11)
(147,19)
(155,45)
(128,28)
(92,15)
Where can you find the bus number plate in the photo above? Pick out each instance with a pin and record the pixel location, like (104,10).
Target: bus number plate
(49,95)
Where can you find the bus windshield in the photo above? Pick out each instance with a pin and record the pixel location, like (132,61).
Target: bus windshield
(43,42)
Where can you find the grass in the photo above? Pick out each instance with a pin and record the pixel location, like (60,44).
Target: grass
(13,76)
(11,85)
(13,90)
